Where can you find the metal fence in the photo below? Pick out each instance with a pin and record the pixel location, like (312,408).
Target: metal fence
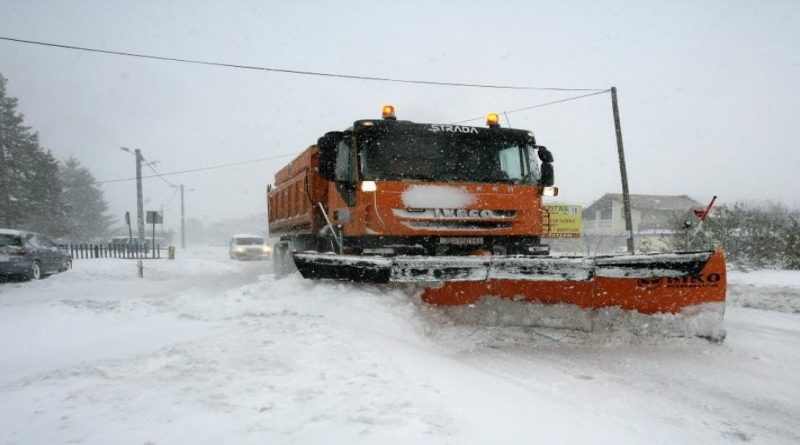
(90,251)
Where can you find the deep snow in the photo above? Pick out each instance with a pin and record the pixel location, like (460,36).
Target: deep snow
(209,350)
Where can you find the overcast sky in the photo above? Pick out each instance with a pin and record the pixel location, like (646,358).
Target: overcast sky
(708,91)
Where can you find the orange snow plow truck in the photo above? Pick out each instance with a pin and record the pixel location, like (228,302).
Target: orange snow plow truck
(459,210)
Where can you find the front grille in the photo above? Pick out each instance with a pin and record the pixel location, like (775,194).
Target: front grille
(457,225)
(453,214)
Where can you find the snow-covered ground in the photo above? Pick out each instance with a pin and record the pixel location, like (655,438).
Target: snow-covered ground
(210,350)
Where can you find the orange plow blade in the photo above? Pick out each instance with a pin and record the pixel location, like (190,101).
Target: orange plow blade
(690,304)
(645,294)
(573,292)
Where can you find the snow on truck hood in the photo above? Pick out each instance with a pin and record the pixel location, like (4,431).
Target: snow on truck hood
(436,196)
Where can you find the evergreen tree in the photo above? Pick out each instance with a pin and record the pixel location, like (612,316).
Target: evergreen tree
(86,208)
(30,189)
(13,137)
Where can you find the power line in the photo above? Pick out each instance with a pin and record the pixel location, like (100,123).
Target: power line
(233,164)
(157,174)
(172,198)
(194,170)
(537,106)
(289,71)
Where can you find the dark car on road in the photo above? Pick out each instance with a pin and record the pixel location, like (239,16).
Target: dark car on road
(30,255)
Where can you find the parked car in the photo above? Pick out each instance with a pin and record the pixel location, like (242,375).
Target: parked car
(30,255)
(253,247)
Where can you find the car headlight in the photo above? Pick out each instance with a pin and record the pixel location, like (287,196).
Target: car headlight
(266,249)
(239,249)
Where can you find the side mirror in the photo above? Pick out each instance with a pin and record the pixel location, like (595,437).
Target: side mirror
(544,154)
(327,145)
(548,177)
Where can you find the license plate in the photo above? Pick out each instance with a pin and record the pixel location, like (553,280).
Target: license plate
(462,241)
(3,258)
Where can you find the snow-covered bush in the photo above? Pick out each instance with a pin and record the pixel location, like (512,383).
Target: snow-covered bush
(753,235)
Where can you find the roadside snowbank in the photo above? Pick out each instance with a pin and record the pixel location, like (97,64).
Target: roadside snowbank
(772,290)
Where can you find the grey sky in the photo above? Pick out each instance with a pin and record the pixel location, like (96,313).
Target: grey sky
(708,90)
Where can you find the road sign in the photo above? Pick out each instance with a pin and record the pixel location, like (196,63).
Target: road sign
(154,217)
(562,221)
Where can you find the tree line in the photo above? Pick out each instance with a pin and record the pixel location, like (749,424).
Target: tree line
(40,193)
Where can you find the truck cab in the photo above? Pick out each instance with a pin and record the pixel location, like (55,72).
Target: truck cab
(390,187)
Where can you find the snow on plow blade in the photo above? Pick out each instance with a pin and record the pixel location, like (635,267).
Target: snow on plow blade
(653,284)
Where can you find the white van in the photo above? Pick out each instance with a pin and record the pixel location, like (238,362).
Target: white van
(248,247)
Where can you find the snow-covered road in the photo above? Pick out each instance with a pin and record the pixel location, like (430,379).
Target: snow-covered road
(208,350)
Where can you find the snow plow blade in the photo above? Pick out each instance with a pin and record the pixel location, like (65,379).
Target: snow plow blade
(646,283)
(667,294)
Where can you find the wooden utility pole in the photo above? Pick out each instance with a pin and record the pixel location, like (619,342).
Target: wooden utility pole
(183,222)
(139,197)
(626,198)
(5,210)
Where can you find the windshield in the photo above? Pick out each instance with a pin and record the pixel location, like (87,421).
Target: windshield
(444,157)
(249,241)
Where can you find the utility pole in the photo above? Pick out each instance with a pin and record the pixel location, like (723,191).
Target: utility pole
(4,195)
(183,222)
(626,198)
(139,198)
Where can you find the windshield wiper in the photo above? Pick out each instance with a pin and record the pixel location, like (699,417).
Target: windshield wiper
(417,176)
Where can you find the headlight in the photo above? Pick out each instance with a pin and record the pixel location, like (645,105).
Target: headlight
(239,249)
(550,191)
(266,249)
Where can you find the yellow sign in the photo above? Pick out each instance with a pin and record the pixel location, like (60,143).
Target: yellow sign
(562,221)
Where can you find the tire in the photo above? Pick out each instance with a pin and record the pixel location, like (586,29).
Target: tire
(65,266)
(35,272)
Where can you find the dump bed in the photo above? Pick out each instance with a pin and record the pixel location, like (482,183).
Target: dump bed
(292,200)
